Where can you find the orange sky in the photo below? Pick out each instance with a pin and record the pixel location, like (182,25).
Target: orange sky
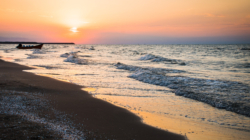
(126,21)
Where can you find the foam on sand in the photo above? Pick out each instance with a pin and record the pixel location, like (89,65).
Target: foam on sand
(28,105)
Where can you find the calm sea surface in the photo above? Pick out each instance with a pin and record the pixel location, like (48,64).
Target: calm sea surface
(207,84)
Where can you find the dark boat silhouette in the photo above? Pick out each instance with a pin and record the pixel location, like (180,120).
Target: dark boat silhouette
(20,46)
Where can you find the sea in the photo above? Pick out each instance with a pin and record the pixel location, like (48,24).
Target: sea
(207,85)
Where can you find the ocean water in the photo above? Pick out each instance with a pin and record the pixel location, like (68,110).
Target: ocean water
(207,84)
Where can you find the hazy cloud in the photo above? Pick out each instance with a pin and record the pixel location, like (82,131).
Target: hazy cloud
(13,39)
(13,10)
(46,16)
(213,15)
(121,38)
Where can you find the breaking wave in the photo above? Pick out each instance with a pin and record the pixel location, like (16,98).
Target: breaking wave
(232,96)
(74,58)
(155,58)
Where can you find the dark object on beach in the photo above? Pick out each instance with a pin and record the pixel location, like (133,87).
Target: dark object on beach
(20,46)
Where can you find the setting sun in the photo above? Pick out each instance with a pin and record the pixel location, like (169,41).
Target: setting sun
(125,69)
(126,22)
(74,29)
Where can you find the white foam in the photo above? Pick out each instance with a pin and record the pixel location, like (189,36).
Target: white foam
(74,58)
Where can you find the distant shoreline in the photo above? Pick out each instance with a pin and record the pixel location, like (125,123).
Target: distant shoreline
(8,42)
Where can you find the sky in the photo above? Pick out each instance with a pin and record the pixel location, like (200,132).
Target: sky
(126,21)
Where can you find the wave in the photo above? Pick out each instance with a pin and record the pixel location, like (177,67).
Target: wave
(154,70)
(232,96)
(245,48)
(37,51)
(47,66)
(74,58)
(155,58)
(65,55)
(30,56)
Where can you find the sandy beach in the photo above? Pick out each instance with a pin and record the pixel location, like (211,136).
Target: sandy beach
(125,70)
(95,118)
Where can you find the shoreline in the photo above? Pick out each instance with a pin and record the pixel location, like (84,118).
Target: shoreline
(191,129)
(96,115)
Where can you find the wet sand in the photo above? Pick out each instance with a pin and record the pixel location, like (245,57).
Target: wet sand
(97,116)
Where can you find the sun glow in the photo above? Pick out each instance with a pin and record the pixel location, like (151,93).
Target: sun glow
(74,29)
(115,22)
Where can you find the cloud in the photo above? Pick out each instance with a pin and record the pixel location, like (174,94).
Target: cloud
(246,25)
(46,16)
(13,39)
(13,10)
(9,10)
(213,15)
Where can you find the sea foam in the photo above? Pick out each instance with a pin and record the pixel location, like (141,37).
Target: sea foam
(74,58)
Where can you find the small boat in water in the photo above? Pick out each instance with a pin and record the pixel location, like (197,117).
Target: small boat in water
(20,46)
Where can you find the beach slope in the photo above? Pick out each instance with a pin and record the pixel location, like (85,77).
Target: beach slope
(96,116)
